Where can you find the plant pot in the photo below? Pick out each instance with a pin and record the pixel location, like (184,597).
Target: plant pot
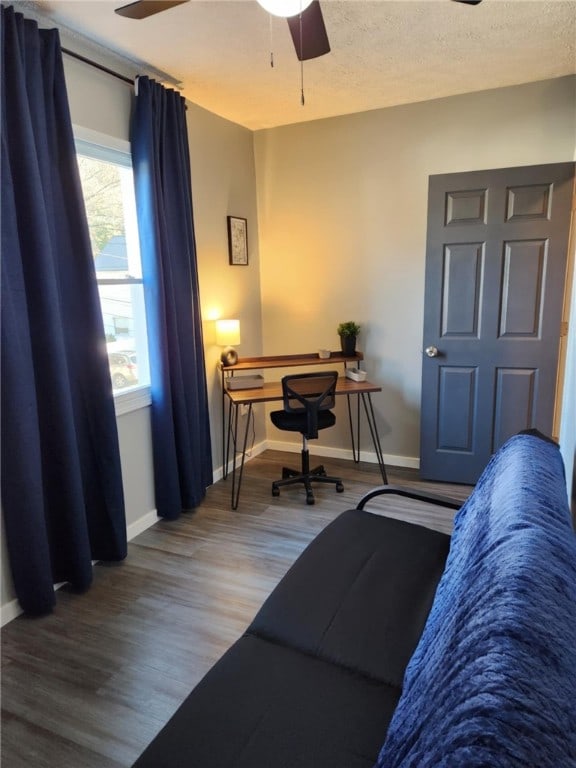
(348,345)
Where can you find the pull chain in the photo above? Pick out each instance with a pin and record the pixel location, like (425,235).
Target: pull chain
(302,99)
(271,42)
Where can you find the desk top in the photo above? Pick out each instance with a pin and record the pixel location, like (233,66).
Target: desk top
(287,361)
(272,391)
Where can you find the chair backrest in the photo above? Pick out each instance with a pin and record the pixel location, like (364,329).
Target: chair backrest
(309,393)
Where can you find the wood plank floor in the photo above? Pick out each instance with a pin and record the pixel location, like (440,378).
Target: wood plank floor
(92,684)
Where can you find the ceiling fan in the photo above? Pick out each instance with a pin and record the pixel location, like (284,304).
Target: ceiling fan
(310,37)
(304,19)
(141,9)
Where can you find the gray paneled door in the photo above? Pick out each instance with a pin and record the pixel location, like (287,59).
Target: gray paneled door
(495,270)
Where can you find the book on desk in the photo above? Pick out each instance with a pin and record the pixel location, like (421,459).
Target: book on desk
(251,381)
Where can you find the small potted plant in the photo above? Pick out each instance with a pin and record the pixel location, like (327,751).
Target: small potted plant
(348,333)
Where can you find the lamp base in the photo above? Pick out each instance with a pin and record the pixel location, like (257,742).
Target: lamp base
(229,356)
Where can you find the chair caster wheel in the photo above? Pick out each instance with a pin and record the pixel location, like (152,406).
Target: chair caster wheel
(309,498)
(339,487)
(275,491)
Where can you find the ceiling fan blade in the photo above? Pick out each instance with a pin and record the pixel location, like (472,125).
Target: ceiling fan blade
(468,2)
(141,9)
(314,36)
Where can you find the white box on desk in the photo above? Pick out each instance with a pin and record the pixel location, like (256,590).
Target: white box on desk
(253,381)
(356,374)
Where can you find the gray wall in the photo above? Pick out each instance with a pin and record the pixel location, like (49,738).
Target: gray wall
(342,213)
(336,215)
(223,183)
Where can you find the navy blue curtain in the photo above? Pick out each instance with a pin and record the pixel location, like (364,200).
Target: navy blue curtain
(62,493)
(180,417)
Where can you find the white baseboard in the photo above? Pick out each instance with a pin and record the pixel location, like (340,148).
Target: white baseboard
(9,611)
(140,525)
(411,462)
(12,609)
(256,450)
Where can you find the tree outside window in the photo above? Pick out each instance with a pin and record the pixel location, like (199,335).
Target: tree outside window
(108,189)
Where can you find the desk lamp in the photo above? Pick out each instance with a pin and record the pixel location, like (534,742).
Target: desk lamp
(228,334)
(284,8)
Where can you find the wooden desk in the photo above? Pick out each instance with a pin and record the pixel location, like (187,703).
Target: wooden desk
(272,392)
(290,361)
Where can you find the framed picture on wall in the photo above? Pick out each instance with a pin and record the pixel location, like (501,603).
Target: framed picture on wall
(237,241)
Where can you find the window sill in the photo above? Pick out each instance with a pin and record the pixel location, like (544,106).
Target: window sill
(132,400)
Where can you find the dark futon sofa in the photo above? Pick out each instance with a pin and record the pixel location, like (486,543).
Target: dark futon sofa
(389,644)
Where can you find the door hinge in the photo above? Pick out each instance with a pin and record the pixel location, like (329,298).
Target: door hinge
(563,328)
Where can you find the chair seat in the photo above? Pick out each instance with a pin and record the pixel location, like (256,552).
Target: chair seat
(296,422)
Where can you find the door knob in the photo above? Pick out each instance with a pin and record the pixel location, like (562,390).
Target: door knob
(431,351)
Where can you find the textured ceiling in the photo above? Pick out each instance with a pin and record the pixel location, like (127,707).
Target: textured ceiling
(384,52)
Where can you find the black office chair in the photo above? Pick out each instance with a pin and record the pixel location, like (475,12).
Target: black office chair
(308,398)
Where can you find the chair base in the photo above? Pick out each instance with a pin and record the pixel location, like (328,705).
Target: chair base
(306,476)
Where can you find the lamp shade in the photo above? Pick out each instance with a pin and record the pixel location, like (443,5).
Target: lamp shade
(284,8)
(227,332)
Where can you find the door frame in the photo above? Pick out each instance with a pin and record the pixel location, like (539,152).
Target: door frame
(569,286)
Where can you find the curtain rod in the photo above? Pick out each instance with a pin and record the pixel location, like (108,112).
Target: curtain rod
(98,66)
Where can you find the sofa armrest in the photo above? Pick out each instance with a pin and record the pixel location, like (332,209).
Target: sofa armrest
(442,501)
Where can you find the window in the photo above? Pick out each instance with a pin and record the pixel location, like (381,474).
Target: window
(108,189)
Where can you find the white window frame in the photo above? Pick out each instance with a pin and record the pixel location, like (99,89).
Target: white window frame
(139,396)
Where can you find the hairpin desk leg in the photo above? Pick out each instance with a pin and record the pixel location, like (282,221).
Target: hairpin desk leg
(236,487)
(225,432)
(229,435)
(355,442)
(371,419)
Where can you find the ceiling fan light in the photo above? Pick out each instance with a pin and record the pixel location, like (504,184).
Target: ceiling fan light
(284,8)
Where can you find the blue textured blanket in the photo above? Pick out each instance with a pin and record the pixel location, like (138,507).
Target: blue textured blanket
(493,680)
